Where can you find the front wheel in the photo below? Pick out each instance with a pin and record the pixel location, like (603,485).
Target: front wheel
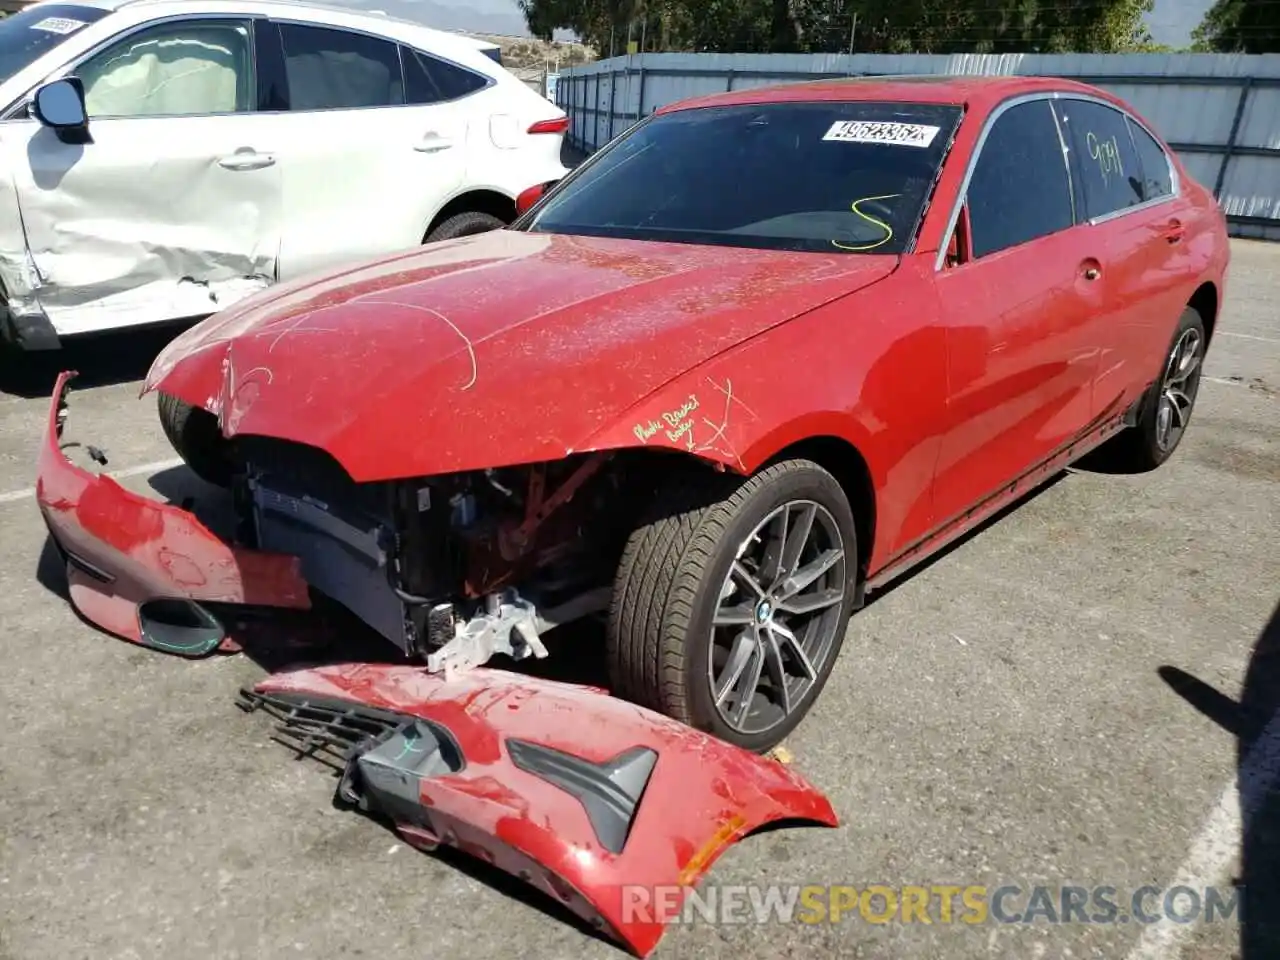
(731,602)
(194,435)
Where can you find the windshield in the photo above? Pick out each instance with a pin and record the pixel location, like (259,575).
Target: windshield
(819,177)
(26,35)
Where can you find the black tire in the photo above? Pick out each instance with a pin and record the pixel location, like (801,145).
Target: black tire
(464,225)
(194,435)
(1147,445)
(670,584)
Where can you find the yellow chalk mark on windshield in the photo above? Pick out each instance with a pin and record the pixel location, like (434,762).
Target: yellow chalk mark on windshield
(888,230)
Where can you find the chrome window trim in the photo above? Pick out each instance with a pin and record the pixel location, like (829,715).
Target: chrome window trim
(1051,96)
(488,80)
(22,102)
(1066,155)
(298,22)
(70,68)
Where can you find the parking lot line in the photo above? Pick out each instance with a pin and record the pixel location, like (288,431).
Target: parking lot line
(1219,840)
(14,496)
(1249,336)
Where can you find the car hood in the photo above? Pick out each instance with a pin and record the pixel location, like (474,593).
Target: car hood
(502,348)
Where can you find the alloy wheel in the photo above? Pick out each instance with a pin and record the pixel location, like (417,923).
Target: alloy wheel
(777,617)
(1178,389)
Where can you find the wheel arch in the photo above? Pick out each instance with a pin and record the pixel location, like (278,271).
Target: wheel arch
(1206,301)
(846,463)
(482,200)
(836,455)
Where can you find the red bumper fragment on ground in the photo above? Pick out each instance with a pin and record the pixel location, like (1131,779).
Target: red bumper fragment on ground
(125,552)
(612,810)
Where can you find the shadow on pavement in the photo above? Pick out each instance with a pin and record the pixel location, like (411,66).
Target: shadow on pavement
(104,359)
(1255,722)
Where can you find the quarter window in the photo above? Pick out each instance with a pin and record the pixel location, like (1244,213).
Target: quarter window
(1110,176)
(173,69)
(429,80)
(1157,179)
(1019,189)
(337,70)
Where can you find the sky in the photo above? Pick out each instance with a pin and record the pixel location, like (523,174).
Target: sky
(1171,22)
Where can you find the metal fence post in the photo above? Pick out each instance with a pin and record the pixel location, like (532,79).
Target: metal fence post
(1230,147)
(640,99)
(613,90)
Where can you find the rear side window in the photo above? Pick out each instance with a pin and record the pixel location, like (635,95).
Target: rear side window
(1157,180)
(429,80)
(336,70)
(1019,189)
(1105,161)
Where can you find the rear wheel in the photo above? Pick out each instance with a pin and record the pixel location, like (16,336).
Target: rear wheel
(731,602)
(194,434)
(1167,406)
(464,225)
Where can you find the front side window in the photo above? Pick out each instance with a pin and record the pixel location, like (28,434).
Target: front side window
(1110,176)
(33,32)
(1157,178)
(338,70)
(182,68)
(1019,190)
(817,177)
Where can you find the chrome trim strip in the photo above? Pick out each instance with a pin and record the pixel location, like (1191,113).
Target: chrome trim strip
(1066,155)
(1051,95)
(252,19)
(1001,109)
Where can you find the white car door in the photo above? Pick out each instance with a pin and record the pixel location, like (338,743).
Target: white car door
(364,165)
(172,210)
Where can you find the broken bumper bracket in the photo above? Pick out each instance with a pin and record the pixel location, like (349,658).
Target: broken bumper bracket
(143,570)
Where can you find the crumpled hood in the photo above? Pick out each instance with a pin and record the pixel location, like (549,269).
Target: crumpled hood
(502,348)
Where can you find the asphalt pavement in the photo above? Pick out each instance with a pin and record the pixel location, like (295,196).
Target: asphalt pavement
(1080,694)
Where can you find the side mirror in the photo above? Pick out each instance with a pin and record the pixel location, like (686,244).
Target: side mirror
(528,198)
(59,105)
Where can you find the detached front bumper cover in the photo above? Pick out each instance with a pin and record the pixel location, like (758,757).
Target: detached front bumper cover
(612,810)
(139,568)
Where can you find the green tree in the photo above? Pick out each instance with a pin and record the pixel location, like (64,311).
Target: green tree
(869,26)
(1240,26)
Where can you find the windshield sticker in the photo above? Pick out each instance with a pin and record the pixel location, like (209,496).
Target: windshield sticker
(58,25)
(878,131)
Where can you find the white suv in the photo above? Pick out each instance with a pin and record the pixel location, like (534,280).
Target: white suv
(168,157)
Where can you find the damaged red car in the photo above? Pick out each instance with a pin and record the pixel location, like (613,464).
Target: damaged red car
(755,358)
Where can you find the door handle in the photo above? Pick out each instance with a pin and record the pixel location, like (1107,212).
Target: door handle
(432,143)
(1175,231)
(246,158)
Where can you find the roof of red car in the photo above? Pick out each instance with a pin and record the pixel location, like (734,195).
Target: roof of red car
(976,91)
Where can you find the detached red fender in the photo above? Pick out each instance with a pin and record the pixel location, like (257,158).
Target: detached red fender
(124,551)
(611,809)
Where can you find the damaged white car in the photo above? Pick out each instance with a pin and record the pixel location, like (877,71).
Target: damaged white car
(168,157)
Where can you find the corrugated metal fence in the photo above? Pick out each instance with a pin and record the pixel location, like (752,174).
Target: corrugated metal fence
(1220,112)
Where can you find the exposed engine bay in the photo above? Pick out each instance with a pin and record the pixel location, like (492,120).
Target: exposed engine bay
(451,569)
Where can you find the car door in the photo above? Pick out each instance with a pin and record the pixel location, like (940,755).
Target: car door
(1020,299)
(1139,219)
(172,209)
(372,151)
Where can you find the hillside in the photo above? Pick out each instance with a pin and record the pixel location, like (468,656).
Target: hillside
(523,55)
